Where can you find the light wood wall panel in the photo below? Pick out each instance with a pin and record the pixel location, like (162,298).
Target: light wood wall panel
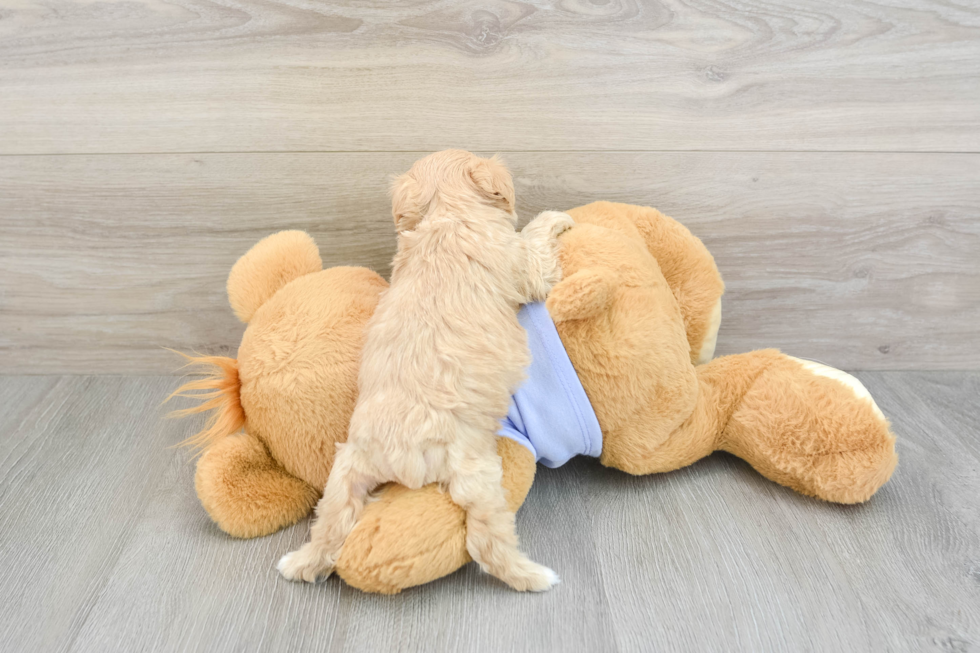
(855,259)
(292,75)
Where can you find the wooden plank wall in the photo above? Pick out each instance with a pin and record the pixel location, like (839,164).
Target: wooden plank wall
(828,153)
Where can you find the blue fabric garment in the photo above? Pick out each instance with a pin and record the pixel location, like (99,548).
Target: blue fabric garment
(550,414)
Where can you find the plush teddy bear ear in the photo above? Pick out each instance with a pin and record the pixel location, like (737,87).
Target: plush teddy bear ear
(408,206)
(272,262)
(493,180)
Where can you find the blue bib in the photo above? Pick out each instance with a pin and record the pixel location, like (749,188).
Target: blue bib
(550,413)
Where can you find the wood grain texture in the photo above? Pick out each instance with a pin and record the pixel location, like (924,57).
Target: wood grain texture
(290,75)
(107,549)
(858,260)
(78,465)
(763,568)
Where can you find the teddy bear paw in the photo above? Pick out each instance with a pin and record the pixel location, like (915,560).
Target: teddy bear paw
(305,564)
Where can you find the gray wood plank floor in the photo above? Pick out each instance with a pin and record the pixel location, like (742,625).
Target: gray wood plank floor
(105,547)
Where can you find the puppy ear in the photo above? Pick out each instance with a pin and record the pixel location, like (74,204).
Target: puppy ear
(407,205)
(493,180)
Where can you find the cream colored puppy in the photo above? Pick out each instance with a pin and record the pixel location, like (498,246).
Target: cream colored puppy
(443,353)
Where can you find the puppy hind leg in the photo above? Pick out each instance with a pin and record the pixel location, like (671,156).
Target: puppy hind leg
(490,536)
(337,513)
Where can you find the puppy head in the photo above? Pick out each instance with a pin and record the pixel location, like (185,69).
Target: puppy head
(449,176)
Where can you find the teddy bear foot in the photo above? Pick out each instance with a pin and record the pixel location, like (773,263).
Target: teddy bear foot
(305,564)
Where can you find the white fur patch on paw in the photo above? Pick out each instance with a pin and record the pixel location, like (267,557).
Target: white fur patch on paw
(303,565)
(537,579)
(551,577)
(846,379)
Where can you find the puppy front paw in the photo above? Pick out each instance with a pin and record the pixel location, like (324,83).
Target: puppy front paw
(548,225)
(305,564)
(544,249)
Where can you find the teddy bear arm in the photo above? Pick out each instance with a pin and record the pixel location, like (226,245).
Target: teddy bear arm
(246,492)
(691,273)
(411,537)
(685,262)
(582,294)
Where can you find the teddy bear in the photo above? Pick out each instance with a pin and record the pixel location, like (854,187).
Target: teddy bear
(637,313)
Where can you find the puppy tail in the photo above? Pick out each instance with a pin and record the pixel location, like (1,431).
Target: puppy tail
(218,392)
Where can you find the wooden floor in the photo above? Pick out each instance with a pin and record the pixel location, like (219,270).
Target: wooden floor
(105,547)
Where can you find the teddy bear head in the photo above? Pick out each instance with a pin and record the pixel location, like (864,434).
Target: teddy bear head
(298,359)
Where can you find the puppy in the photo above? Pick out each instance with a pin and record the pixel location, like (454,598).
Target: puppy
(443,353)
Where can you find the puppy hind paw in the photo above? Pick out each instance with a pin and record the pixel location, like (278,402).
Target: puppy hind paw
(533,578)
(305,564)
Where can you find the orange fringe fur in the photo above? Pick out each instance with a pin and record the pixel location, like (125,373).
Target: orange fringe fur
(218,392)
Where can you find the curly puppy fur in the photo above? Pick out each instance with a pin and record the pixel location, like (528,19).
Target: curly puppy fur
(443,353)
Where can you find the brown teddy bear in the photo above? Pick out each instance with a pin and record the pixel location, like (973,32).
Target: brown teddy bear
(637,311)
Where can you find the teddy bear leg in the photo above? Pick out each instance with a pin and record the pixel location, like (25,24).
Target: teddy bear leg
(696,433)
(808,426)
(246,492)
(410,537)
(801,424)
